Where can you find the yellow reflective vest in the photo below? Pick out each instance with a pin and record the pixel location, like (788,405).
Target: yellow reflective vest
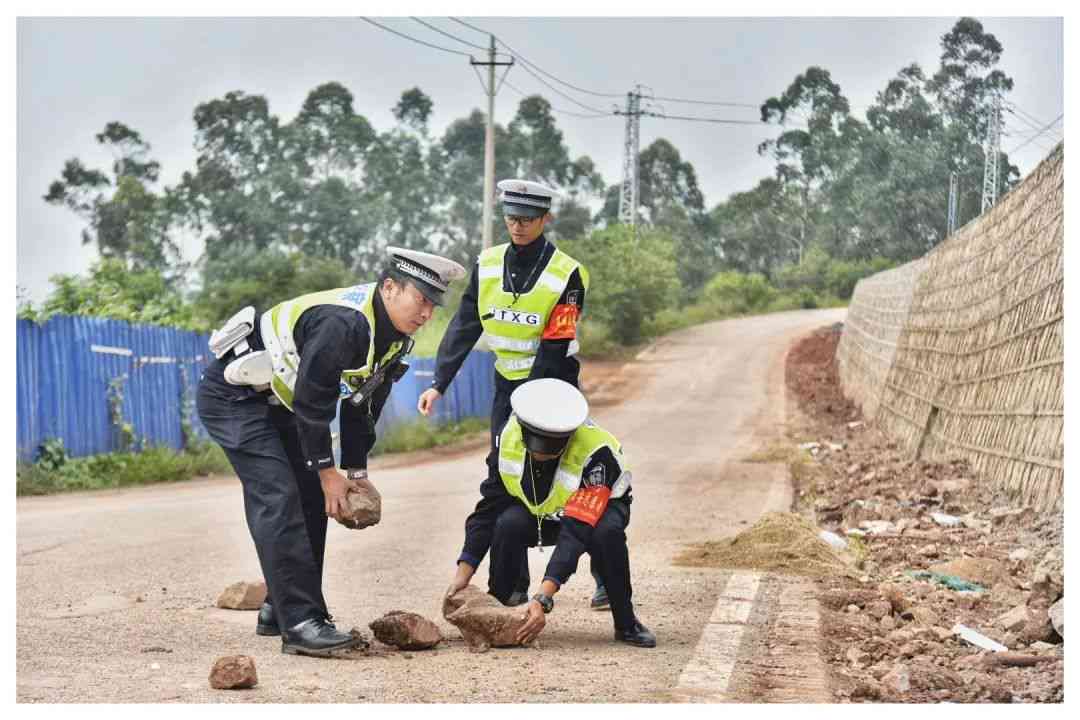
(513,329)
(585,441)
(278,323)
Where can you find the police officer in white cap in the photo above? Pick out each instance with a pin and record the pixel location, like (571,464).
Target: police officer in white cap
(561,480)
(526,298)
(268,399)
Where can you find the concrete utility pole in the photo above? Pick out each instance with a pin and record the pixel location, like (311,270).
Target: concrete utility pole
(991,151)
(489,137)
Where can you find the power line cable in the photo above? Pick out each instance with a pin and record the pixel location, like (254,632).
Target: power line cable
(1029,116)
(1035,127)
(471,27)
(525,61)
(410,37)
(710,102)
(722,121)
(554,89)
(520,57)
(1048,126)
(559,110)
(443,32)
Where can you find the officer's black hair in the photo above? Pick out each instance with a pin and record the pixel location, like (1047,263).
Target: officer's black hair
(391,273)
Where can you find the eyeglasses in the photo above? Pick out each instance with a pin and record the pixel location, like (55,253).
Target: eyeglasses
(518,220)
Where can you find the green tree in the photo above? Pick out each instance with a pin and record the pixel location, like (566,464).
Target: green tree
(113,290)
(965,86)
(235,196)
(129,223)
(241,276)
(537,152)
(401,182)
(327,145)
(811,160)
(758,231)
(630,278)
(461,159)
(669,198)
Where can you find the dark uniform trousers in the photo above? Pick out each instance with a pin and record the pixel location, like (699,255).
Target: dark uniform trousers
(515,533)
(283,501)
(500,413)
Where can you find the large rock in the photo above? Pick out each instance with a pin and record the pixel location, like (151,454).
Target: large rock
(1048,580)
(898,679)
(484,622)
(364,508)
(895,595)
(406,631)
(984,571)
(921,615)
(879,609)
(1057,616)
(243,596)
(1038,628)
(233,672)
(1014,620)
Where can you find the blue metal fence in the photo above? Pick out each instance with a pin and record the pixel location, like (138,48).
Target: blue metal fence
(72,371)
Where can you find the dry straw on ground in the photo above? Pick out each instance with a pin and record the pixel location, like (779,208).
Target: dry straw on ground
(778,542)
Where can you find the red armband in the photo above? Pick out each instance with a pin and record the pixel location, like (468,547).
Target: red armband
(588,505)
(562,325)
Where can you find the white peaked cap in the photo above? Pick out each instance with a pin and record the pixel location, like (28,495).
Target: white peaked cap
(432,273)
(550,406)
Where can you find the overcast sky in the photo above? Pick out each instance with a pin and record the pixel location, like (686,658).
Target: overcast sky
(74,75)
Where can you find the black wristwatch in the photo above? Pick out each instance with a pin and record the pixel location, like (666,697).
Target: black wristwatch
(546,602)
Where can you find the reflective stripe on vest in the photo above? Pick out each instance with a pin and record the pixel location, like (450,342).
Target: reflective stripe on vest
(278,323)
(585,441)
(513,329)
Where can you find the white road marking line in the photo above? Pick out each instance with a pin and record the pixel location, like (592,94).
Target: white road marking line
(707,676)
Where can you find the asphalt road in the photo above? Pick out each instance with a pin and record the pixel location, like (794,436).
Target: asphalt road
(115,589)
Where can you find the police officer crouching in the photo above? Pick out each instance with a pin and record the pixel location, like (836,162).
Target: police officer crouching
(525,297)
(268,399)
(561,480)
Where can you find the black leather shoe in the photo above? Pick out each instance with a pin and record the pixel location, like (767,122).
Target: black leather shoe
(639,636)
(318,638)
(267,622)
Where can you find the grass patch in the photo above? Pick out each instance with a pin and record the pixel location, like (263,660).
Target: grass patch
(155,464)
(422,434)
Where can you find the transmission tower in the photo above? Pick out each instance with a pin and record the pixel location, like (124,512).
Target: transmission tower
(954,192)
(991,151)
(628,195)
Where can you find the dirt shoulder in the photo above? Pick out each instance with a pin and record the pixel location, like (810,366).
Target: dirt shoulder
(935,546)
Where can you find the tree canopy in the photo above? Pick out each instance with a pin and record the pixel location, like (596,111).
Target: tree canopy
(285,207)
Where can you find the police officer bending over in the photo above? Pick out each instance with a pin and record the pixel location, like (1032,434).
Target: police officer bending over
(268,400)
(560,480)
(526,297)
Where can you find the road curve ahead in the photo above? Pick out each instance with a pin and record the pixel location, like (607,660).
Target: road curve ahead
(115,589)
